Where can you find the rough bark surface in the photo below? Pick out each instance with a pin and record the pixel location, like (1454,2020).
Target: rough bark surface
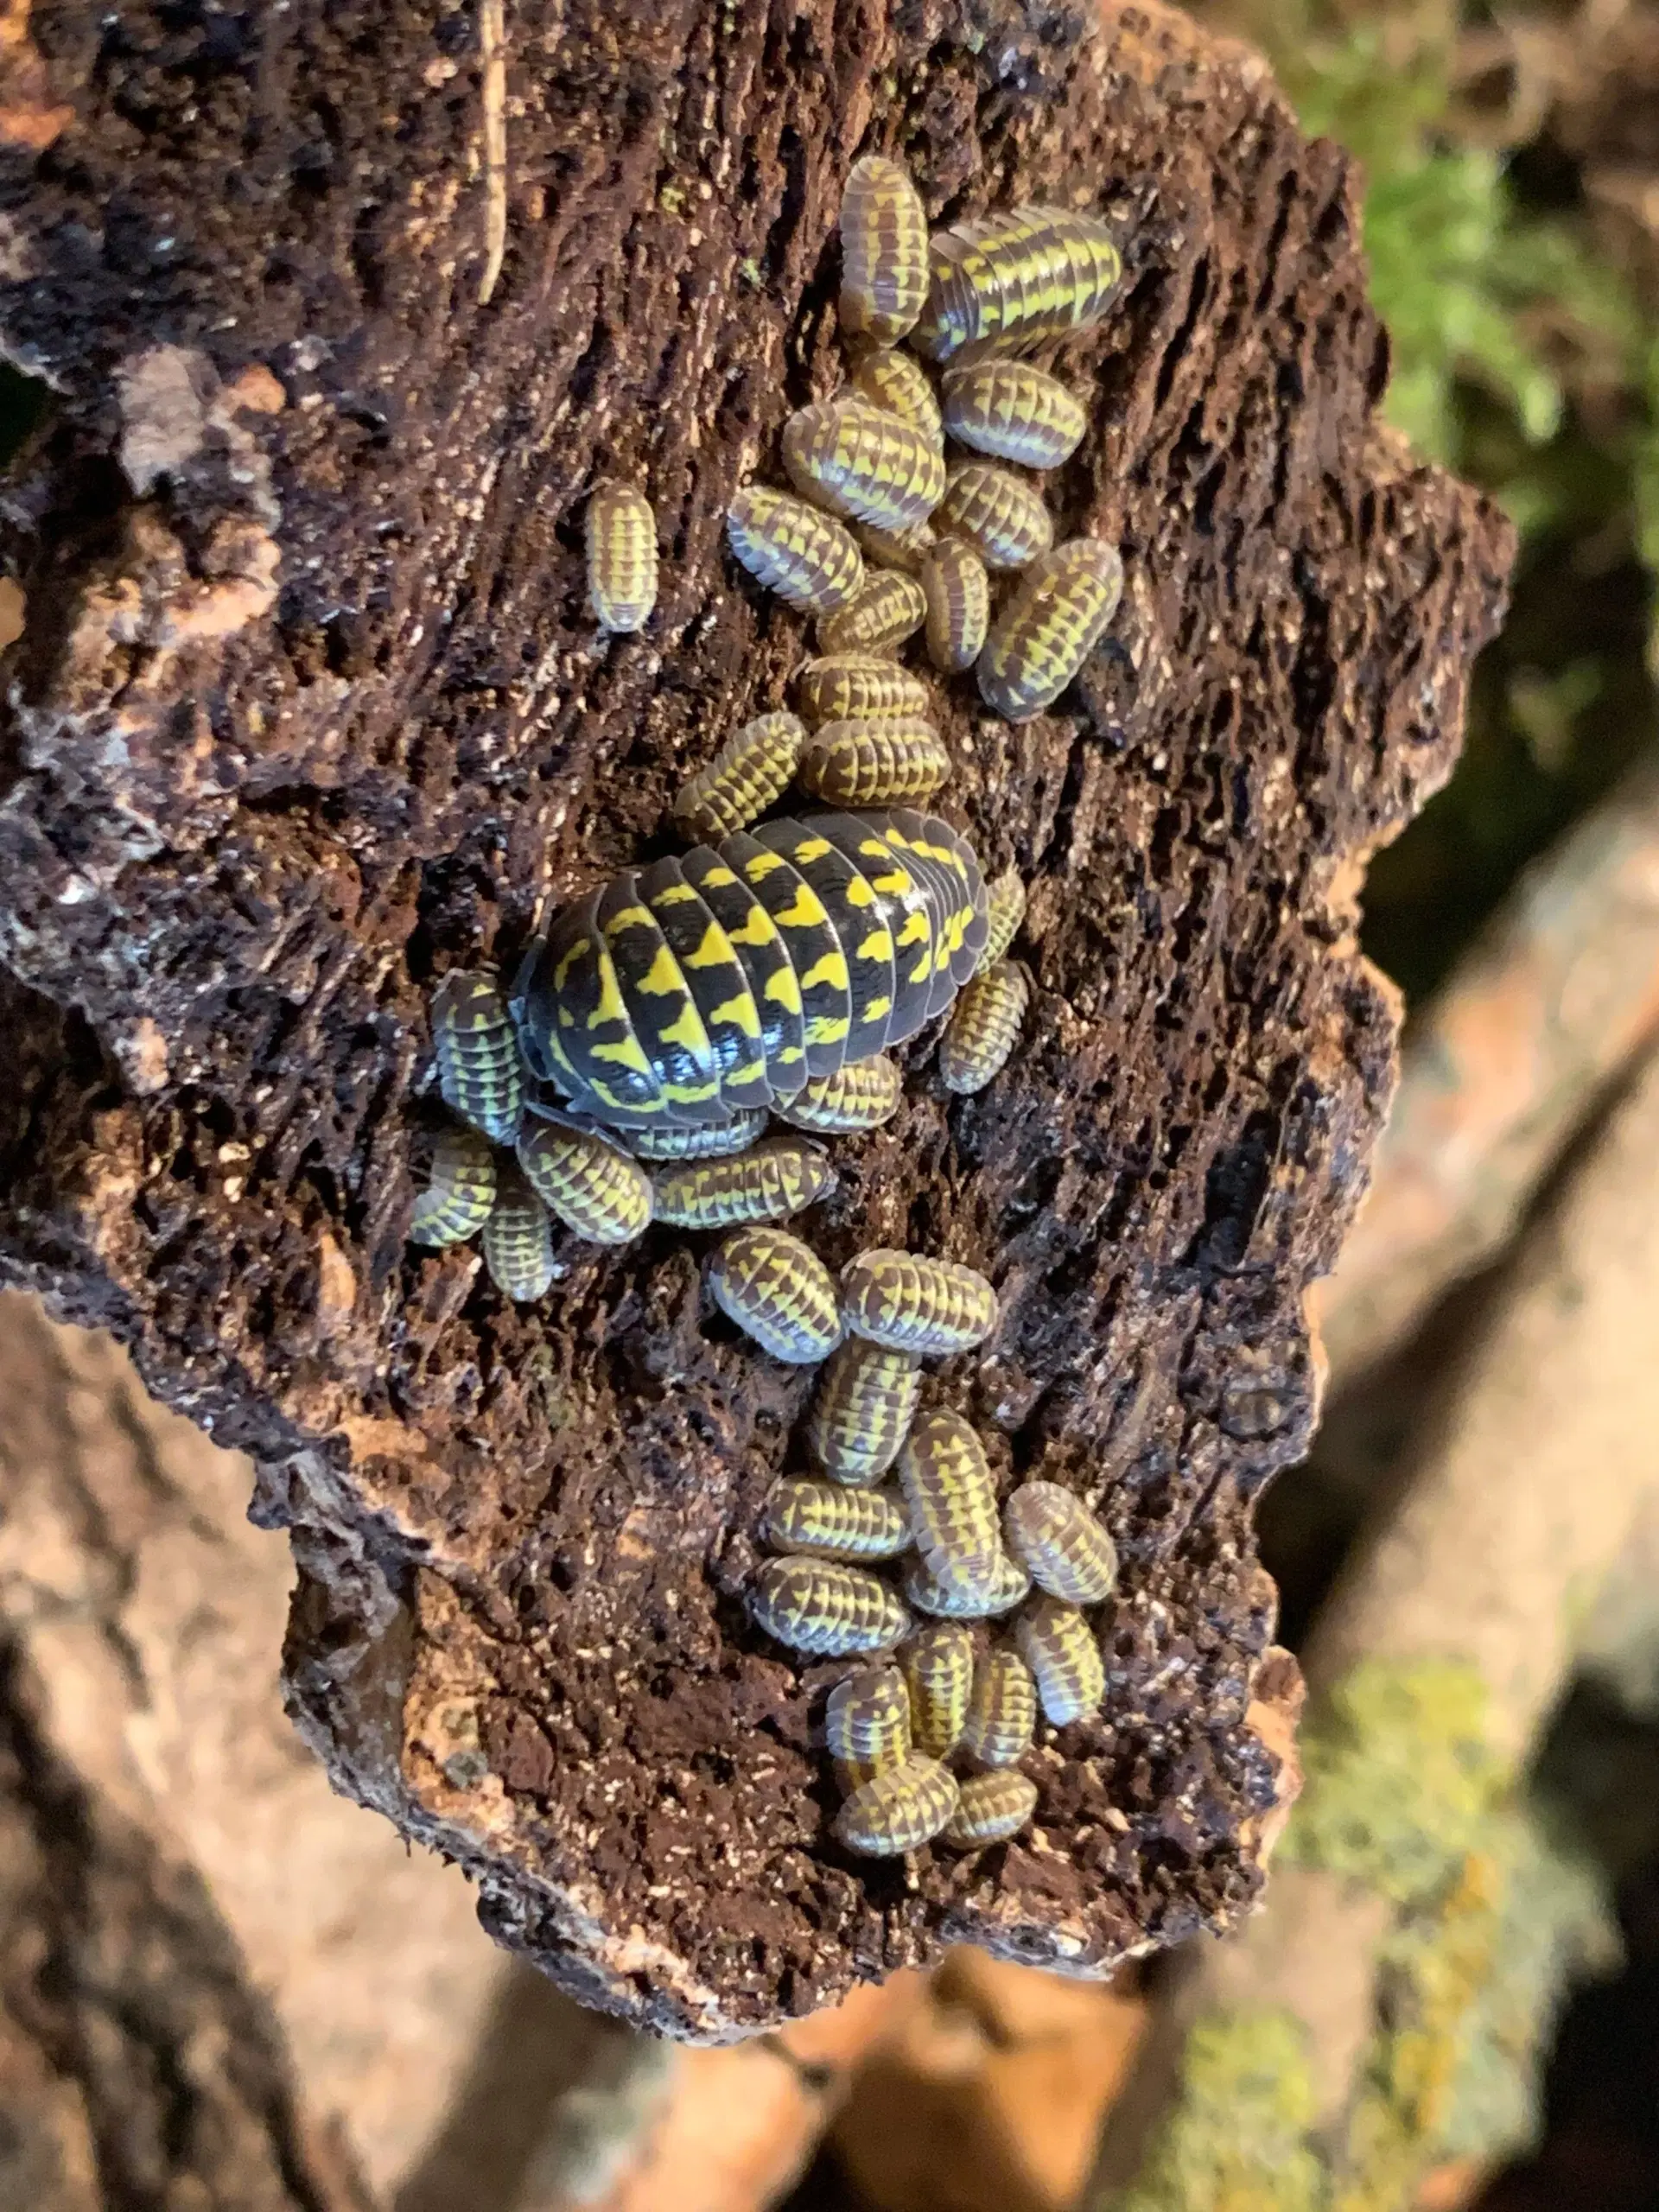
(308,708)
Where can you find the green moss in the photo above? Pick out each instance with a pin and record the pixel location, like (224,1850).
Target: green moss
(1237,2140)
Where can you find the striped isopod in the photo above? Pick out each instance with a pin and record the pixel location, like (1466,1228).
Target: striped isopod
(1054,621)
(779,1291)
(897,381)
(859,1096)
(914,1304)
(862,463)
(867,1724)
(831,1521)
(860,687)
(951,1493)
(947,1602)
(1058,1646)
(750,772)
(621,532)
(1010,281)
(997,1727)
(863,1410)
(806,556)
(460,1189)
(708,1140)
(776,1179)
(898,1809)
(594,1188)
(726,978)
(1013,412)
(824,1608)
(937,1664)
(1000,515)
(479,1076)
(904,549)
(517,1241)
(1063,1546)
(1005,911)
(872,764)
(886,612)
(957,593)
(990,1807)
(884,257)
(983,1027)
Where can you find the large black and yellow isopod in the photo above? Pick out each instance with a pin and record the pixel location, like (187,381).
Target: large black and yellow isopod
(727,979)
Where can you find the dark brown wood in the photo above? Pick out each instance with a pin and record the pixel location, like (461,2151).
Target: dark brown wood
(310,707)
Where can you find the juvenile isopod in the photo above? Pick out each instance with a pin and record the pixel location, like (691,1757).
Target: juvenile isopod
(984,1027)
(778,1291)
(771,1182)
(938,1665)
(928,1594)
(957,593)
(874,764)
(884,255)
(1011,280)
(594,1189)
(951,1493)
(860,687)
(622,556)
(886,612)
(750,772)
(1005,911)
(867,1724)
(915,1304)
(824,1608)
(806,556)
(481,1076)
(1056,615)
(898,382)
(831,1521)
(903,549)
(990,1807)
(517,1241)
(460,1190)
(1062,1545)
(712,1140)
(1002,1713)
(860,1096)
(1000,515)
(898,1809)
(866,1403)
(1058,1646)
(863,463)
(1013,412)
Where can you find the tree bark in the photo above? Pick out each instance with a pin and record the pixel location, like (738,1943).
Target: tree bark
(310,707)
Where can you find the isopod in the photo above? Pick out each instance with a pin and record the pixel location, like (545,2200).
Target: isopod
(806,556)
(777,1291)
(1011,280)
(862,463)
(831,1521)
(1058,1646)
(858,1096)
(1062,1545)
(937,1664)
(1005,911)
(860,687)
(709,1141)
(480,1076)
(621,533)
(594,1189)
(866,1403)
(883,251)
(915,1304)
(1056,615)
(1013,412)
(951,1493)
(946,1602)
(874,764)
(776,1179)
(898,1809)
(824,1608)
(1000,515)
(957,593)
(867,1724)
(518,1242)
(750,772)
(984,1027)
(460,1190)
(904,549)
(990,1807)
(897,381)
(888,609)
(1002,1713)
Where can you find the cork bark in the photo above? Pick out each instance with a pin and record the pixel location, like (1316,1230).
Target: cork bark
(343,312)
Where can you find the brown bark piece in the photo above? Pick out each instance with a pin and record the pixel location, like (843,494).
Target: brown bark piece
(313,710)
